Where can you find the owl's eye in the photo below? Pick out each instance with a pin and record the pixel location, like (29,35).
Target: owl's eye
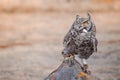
(85,23)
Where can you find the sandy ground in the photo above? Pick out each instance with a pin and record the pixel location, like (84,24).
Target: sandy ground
(31,43)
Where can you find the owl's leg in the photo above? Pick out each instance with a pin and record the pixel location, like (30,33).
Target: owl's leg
(84,62)
(85,66)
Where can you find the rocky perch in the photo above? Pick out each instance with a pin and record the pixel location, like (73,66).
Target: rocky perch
(70,69)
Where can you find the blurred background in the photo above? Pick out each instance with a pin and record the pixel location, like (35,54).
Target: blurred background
(32,31)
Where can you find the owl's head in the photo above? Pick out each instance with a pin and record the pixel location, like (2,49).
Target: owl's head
(83,24)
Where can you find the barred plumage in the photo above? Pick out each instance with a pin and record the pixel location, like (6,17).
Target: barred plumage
(81,39)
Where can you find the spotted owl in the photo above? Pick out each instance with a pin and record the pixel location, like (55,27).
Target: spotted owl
(81,38)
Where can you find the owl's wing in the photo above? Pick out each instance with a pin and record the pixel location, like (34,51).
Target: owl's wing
(95,43)
(67,39)
(94,39)
(68,36)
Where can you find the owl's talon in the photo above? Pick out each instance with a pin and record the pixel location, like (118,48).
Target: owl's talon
(85,66)
(87,72)
(66,55)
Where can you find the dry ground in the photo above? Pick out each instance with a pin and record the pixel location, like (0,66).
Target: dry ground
(31,43)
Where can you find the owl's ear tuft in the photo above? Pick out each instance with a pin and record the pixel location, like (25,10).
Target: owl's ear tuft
(89,16)
(77,17)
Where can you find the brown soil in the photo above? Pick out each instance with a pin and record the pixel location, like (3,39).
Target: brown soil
(31,43)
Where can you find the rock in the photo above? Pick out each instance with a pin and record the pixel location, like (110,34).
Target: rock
(70,69)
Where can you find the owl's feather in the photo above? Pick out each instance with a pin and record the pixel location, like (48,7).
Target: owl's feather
(77,41)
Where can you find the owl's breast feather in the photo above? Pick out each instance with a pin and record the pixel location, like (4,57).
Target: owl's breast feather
(82,39)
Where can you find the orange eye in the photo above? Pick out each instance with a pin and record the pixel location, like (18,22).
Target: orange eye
(85,24)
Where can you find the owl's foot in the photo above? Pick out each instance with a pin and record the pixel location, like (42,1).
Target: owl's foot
(85,69)
(69,60)
(85,66)
(70,57)
(65,53)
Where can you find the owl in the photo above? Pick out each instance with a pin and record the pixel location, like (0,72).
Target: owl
(81,39)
